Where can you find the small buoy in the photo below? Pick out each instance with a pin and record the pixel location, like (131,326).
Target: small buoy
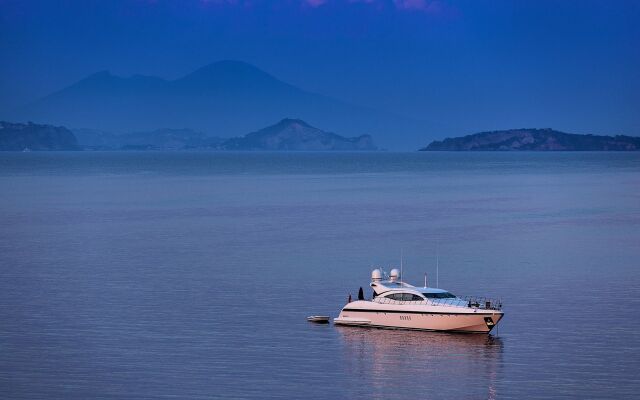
(319,319)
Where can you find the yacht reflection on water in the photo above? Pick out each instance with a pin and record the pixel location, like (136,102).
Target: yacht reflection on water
(424,363)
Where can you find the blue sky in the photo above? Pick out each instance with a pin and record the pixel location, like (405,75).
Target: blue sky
(468,65)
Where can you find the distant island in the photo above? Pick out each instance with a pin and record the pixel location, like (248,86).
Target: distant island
(292,135)
(535,140)
(27,137)
(286,135)
(295,134)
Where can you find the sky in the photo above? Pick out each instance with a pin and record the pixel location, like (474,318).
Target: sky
(468,65)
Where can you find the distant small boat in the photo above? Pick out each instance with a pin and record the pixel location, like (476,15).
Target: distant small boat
(319,319)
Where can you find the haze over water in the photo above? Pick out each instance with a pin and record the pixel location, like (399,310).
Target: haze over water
(188,274)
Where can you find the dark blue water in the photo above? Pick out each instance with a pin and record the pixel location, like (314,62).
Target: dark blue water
(189,275)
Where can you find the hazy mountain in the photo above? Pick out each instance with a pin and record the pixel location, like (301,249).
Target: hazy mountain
(96,139)
(535,140)
(19,137)
(226,99)
(169,139)
(159,139)
(295,134)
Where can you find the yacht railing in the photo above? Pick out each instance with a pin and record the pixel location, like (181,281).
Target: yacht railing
(483,303)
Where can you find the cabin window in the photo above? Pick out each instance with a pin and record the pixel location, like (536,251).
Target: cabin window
(444,295)
(405,297)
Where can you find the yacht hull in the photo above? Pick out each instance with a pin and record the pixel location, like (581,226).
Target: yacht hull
(479,321)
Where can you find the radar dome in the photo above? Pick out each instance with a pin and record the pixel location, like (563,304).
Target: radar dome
(376,275)
(394,275)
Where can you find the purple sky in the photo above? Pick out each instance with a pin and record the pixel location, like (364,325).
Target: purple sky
(473,65)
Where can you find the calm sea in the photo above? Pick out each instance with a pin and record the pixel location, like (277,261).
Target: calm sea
(190,274)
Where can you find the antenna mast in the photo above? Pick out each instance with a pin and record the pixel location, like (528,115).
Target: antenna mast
(437,267)
(401,273)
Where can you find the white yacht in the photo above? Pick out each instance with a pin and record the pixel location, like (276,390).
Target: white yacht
(397,304)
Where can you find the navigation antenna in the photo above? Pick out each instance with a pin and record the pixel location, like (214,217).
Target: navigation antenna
(401,274)
(437,266)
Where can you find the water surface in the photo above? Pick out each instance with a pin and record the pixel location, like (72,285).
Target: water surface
(190,274)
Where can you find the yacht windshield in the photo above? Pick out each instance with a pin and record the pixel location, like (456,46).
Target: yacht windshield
(443,295)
